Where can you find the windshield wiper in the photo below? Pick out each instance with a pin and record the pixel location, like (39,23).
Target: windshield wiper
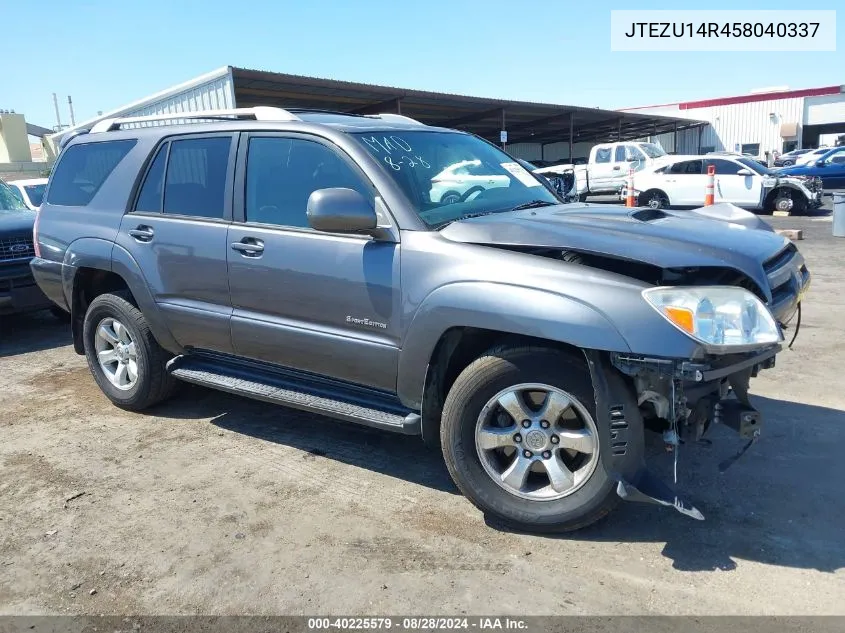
(533,204)
(465,216)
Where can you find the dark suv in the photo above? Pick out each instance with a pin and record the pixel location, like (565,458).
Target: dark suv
(18,291)
(300,258)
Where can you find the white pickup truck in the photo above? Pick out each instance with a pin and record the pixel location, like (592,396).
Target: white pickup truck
(607,170)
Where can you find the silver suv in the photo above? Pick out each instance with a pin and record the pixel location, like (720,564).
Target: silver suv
(299,257)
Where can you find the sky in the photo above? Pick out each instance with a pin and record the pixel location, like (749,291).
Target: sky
(106,54)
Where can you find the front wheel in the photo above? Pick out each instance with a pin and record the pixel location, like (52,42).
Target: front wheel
(520,439)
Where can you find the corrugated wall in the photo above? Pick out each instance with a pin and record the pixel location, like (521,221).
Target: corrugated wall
(216,94)
(734,124)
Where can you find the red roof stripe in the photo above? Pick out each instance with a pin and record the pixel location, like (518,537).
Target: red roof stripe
(763,96)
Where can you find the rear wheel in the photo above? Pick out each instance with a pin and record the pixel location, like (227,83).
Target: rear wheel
(126,361)
(520,439)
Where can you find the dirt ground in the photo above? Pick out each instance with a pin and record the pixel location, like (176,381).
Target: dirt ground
(216,505)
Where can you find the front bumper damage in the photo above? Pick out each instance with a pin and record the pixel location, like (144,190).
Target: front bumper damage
(681,399)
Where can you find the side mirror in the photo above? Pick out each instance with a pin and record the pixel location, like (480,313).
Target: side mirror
(340,210)
(744,172)
(821,163)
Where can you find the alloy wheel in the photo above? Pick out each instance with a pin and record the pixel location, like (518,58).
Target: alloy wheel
(537,442)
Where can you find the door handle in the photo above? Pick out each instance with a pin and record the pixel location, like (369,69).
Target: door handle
(249,247)
(616,168)
(142,233)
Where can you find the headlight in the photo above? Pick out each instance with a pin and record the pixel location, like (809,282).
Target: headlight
(720,316)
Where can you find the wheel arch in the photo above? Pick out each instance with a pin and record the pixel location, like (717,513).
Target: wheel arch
(459,321)
(91,275)
(652,190)
(781,188)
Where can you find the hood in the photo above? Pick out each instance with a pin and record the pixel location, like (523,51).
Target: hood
(725,237)
(16,222)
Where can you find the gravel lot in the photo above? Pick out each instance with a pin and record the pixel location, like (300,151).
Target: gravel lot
(215,505)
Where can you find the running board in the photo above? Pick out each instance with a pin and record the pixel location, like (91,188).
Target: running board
(291,389)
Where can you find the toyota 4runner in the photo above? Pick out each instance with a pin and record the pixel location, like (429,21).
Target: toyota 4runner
(298,257)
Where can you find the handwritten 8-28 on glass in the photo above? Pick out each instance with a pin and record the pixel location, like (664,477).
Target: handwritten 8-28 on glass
(397,151)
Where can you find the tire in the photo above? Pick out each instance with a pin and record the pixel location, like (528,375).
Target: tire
(152,383)
(654,200)
(464,410)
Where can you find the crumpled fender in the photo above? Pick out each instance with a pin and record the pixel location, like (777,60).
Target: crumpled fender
(503,308)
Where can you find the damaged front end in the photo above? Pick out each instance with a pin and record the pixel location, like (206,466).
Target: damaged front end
(681,399)
(791,193)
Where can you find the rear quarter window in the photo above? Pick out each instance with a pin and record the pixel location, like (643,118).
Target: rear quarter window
(82,170)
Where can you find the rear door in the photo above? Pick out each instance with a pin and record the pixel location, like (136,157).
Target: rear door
(730,186)
(685,183)
(176,232)
(317,302)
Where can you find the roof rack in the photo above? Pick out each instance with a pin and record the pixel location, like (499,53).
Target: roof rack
(396,118)
(258,113)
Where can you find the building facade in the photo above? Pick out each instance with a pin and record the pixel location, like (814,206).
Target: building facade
(757,123)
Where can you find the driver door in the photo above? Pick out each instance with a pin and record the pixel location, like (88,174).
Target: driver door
(313,301)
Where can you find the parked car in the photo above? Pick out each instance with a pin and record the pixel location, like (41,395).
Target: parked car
(18,291)
(463,179)
(298,258)
(812,155)
(828,167)
(561,179)
(739,181)
(788,159)
(606,172)
(30,191)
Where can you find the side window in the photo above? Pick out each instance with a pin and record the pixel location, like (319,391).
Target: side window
(725,167)
(838,158)
(149,198)
(195,183)
(603,155)
(282,173)
(686,167)
(83,169)
(620,154)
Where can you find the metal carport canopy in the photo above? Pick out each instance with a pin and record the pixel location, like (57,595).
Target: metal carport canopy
(525,122)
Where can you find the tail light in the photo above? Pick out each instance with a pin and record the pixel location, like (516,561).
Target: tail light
(35,233)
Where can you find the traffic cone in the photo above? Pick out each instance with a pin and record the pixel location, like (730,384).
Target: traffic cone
(629,199)
(710,189)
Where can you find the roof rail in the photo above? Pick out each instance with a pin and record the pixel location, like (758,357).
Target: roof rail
(259,113)
(396,118)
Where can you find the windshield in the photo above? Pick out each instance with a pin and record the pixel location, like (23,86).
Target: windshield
(9,201)
(448,175)
(35,193)
(651,150)
(754,166)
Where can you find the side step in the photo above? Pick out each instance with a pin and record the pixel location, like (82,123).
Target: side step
(292,389)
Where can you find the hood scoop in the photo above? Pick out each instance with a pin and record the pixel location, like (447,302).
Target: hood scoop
(649,215)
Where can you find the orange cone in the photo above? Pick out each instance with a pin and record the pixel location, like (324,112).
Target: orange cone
(629,199)
(710,189)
